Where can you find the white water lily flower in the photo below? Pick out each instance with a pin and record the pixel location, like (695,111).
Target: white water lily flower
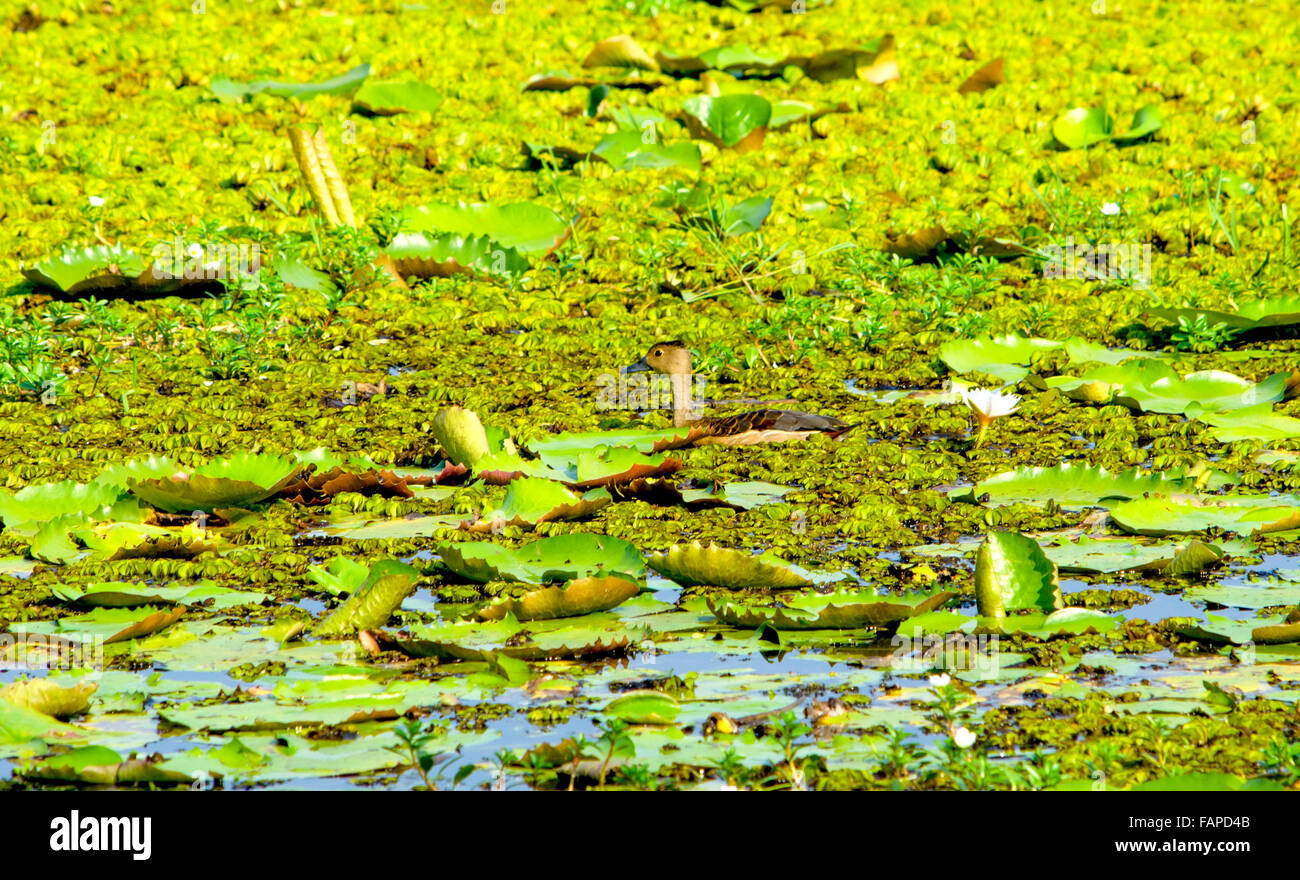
(941,680)
(963,738)
(1110,209)
(96,202)
(987,406)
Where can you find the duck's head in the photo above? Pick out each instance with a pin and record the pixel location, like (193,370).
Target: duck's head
(663,357)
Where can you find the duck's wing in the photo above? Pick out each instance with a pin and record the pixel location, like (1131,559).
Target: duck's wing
(780,420)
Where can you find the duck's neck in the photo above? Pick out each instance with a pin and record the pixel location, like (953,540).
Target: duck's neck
(684,408)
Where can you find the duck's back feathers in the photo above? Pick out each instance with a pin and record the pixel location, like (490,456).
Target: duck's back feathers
(768,426)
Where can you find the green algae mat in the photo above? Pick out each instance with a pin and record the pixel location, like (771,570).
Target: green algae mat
(319,467)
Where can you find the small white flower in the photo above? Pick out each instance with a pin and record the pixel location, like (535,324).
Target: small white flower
(940,681)
(1110,209)
(96,202)
(963,738)
(989,405)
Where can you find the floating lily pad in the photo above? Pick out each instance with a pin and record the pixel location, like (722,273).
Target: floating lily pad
(1072,486)
(846,609)
(98,765)
(127,595)
(523,227)
(641,440)
(370,606)
(78,270)
(231,92)
(557,558)
(1013,574)
(461,435)
(577,597)
(48,697)
(48,501)
(530,501)
(735,121)
(238,481)
(697,565)
(1084,126)
(540,640)
(1065,621)
(422,255)
(1242,515)
(392,98)
(644,707)
(1274,311)
(1251,423)
(627,148)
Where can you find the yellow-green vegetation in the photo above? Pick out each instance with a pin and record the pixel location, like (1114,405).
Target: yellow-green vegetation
(316,460)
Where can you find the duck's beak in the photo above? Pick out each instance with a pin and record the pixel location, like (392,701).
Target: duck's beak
(639,367)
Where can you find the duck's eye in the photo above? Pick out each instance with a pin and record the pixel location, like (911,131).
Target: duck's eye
(659,353)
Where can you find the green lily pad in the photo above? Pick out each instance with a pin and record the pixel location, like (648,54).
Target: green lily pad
(392,98)
(736,121)
(79,270)
(387,584)
(596,635)
(1006,357)
(1072,486)
(422,255)
(641,440)
(627,148)
(238,481)
(230,92)
(644,707)
(127,595)
(1082,127)
(845,609)
(530,501)
(697,565)
(1064,621)
(1273,311)
(1251,423)
(556,558)
(579,596)
(48,697)
(1013,574)
(49,501)
(523,227)
(1241,515)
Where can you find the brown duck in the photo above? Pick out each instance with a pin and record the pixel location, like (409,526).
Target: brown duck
(741,429)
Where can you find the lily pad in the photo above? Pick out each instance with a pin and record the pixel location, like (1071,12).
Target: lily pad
(93,269)
(231,92)
(579,596)
(1072,486)
(238,481)
(735,121)
(845,609)
(523,227)
(387,584)
(556,558)
(391,98)
(48,697)
(1013,574)
(697,565)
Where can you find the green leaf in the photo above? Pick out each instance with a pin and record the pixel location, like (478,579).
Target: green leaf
(1071,486)
(421,255)
(82,270)
(1082,127)
(577,597)
(644,707)
(621,51)
(238,481)
(627,148)
(557,558)
(525,227)
(228,91)
(392,98)
(1013,574)
(697,565)
(1146,122)
(730,120)
(388,583)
